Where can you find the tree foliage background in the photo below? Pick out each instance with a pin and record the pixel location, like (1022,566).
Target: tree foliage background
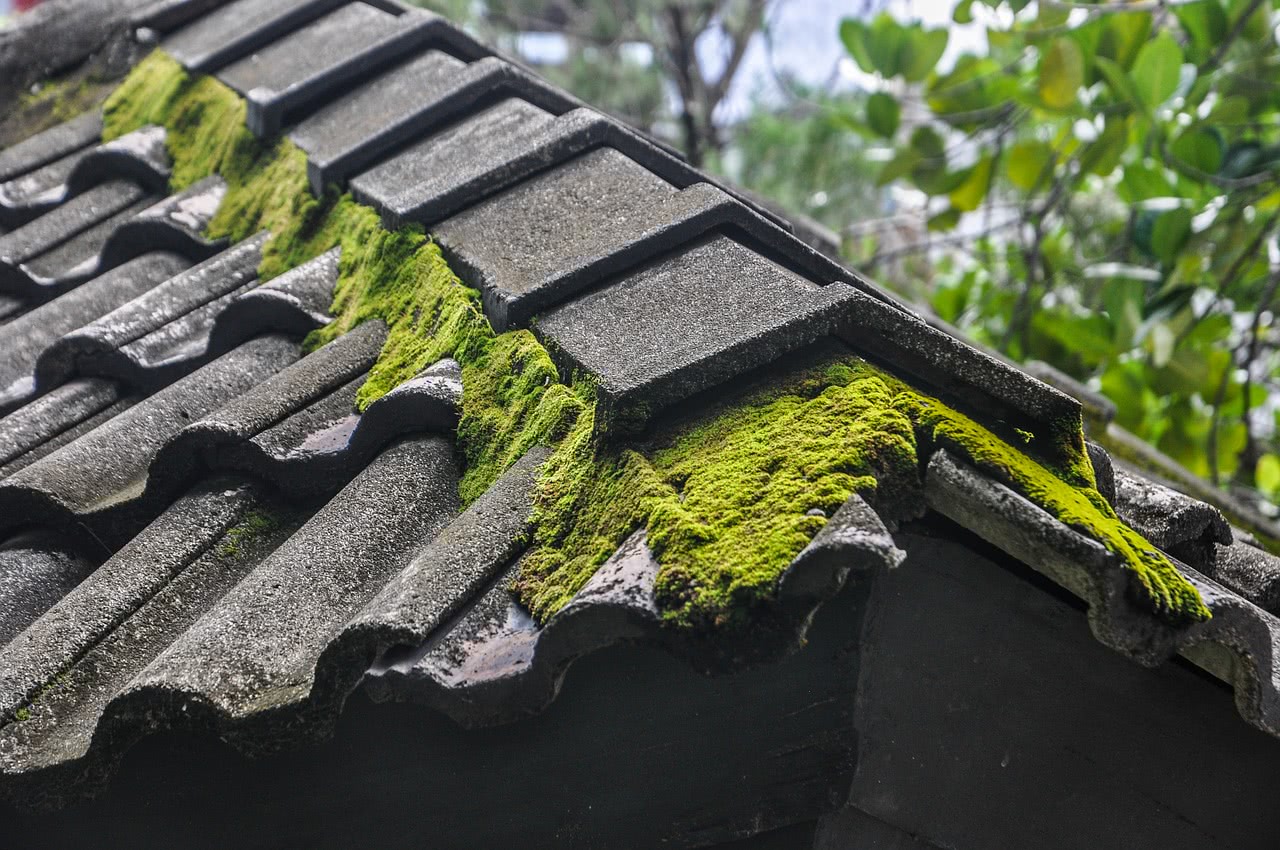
(1095,184)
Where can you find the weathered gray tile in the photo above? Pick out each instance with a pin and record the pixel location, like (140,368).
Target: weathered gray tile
(542,241)
(503,145)
(421,95)
(1184,527)
(113,501)
(104,631)
(518,247)
(1250,571)
(686,323)
(319,64)
(26,338)
(139,156)
(236,29)
(63,223)
(36,570)
(316,61)
(161,16)
(54,143)
(296,302)
(20,197)
(300,429)
(457,566)
(41,426)
(77,259)
(178,296)
(264,642)
(465,154)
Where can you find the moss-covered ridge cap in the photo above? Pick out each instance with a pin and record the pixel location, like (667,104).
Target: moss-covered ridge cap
(729,499)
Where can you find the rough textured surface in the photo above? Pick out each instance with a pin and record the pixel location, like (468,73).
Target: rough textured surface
(58,141)
(238,28)
(120,450)
(36,571)
(687,323)
(422,94)
(443,166)
(1178,524)
(26,338)
(319,60)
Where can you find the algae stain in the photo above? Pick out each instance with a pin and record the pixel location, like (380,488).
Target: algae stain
(253,525)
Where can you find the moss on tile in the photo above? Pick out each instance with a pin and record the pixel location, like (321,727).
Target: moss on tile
(728,498)
(513,398)
(512,395)
(254,525)
(205,134)
(1061,493)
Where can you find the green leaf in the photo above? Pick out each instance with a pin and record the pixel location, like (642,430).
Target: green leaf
(968,196)
(1061,73)
(900,166)
(1242,159)
(963,13)
(920,53)
(1201,148)
(926,142)
(1123,36)
(1156,70)
(886,43)
(1103,154)
(1230,110)
(883,114)
(945,220)
(1206,23)
(1268,474)
(1026,162)
(1170,233)
(1119,80)
(1142,182)
(853,35)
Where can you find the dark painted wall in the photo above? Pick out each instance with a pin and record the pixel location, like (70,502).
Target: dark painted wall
(989,717)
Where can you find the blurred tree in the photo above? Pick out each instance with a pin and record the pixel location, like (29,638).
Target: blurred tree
(1105,178)
(626,55)
(802,155)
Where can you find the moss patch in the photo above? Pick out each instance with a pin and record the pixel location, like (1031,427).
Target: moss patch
(252,526)
(512,395)
(728,498)
(205,124)
(731,498)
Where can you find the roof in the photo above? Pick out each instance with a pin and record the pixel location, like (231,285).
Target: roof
(213,523)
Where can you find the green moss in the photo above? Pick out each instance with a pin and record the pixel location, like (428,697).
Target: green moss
(253,525)
(1075,503)
(267,185)
(512,395)
(22,714)
(728,498)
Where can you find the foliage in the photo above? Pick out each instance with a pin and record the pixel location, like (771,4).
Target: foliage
(644,60)
(803,156)
(1111,175)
